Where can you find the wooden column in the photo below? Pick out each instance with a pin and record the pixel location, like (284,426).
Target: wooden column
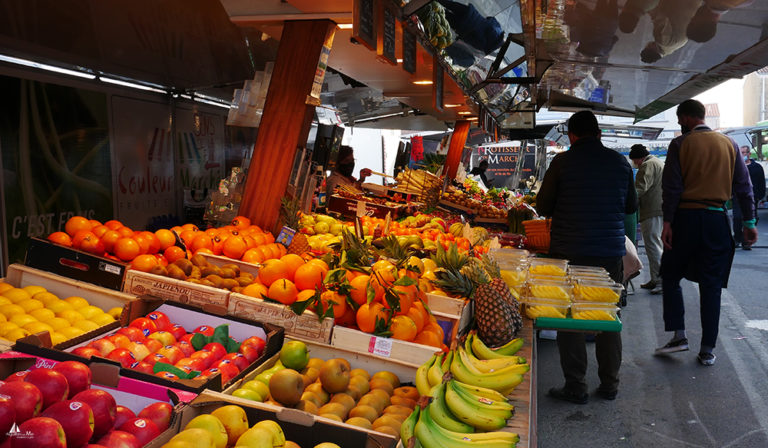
(286,119)
(456,147)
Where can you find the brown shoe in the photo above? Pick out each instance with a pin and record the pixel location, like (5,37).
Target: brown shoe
(650,285)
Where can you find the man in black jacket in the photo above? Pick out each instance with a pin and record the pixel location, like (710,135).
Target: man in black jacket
(757,176)
(587,190)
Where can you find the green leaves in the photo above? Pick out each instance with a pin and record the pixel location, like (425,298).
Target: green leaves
(182,374)
(220,335)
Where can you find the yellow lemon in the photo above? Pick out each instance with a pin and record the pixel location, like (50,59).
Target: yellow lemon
(429,264)
(116,312)
(57,323)
(46,297)
(42,314)
(70,332)
(34,289)
(90,311)
(2,318)
(22,319)
(17,295)
(5,287)
(76,302)
(11,310)
(31,305)
(5,300)
(71,315)
(57,338)
(16,334)
(7,327)
(85,325)
(37,327)
(102,319)
(59,306)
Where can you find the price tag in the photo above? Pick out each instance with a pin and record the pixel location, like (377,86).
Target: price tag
(380,346)
(112,269)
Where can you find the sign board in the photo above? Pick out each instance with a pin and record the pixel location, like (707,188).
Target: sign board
(505,165)
(322,66)
(385,47)
(409,51)
(364,23)
(437,85)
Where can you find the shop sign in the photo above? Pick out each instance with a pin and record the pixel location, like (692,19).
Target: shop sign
(364,23)
(385,47)
(409,51)
(504,163)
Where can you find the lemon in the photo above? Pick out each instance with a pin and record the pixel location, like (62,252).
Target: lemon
(46,297)
(5,287)
(11,310)
(7,327)
(57,338)
(5,300)
(37,327)
(85,325)
(57,323)
(16,334)
(59,306)
(70,332)
(34,289)
(31,305)
(22,319)
(76,302)
(42,314)
(16,295)
(102,319)
(116,312)
(2,318)
(90,311)
(71,315)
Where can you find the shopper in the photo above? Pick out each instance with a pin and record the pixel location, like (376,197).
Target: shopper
(587,190)
(342,174)
(648,186)
(703,168)
(480,170)
(757,176)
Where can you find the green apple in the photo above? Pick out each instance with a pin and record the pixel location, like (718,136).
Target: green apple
(256,438)
(294,355)
(214,427)
(192,438)
(258,387)
(235,421)
(248,394)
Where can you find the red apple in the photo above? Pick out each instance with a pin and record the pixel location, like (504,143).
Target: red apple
(78,376)
(218,350)
(123,356)
(154,358)
(133,333)
(103,345)
(160,319)
(122,415)
(153,345)
(167,376)
(238,359)
(120,340)
(52,384)
(250,352)
(145,325)
(86,352)
(205,330)
(40,432)
(144,367)
(17,376)
(7,417)
(173,353)
(187,338)
(160,414)
(143,428)
(120,439)
(103,405)
(177,331)
(26,397)
(192,363)
(165,337)
(76,417)
(186,348)
(209,373)
(207,357)
(228,370)
(139,350)
(255,342)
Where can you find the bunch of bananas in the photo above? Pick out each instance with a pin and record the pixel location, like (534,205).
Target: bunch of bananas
(437,28)
(596,293)
(592,315)
(549,292)
(535,311)
(429,434)
(547,269)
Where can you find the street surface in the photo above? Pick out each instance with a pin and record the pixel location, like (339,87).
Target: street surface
(671,401)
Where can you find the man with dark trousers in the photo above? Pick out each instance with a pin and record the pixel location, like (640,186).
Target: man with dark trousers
(587,190)
(703,170)
(757,176)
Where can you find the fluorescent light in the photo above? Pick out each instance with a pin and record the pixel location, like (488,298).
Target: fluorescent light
(471,119)
(344,26)
(423,83)
(130,84)
(50,68)
(378,117)
(464,112)
(214,103)
(452,105)
(399,61)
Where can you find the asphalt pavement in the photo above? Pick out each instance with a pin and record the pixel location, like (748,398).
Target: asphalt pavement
(671,401)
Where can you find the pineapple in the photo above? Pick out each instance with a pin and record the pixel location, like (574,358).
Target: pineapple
(290,210)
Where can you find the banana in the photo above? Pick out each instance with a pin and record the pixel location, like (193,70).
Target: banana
(501,381)
(483,403)
(510,348)
(512,368)
(472,414)
(435,372)
(442,415)
(421,380)
(406,429)
(482,351)
(491,365)
(479,392)
(432,435)
(446,366)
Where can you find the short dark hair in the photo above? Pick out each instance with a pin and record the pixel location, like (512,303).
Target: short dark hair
(583,124)
(638,151)
(691,108)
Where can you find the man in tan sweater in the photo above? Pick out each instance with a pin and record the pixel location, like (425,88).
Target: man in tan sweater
(648,186)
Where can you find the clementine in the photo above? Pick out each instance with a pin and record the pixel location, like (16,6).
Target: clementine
(274,270)
(75,224)
(127,249)
(144,263)
(166,238)
(293,262)
(309,276)
(60,238)
(255,290)
(284,291)
(403,328)
(359,289)
(234,247)
(367,314)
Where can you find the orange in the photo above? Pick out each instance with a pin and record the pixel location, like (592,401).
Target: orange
(166,238)
(252,256)
(218,242)
(434,327)
(258,238)
(305,295)
(417,318)
(403,328)
(241,222)
(255,228)
(273,270)
(293,262)
(255,290)
(75,224)
(211,232)
(94,223)
(100,230)
(428,338)
(367,314)
(109,239)
(113,224)
(125,232)
(154,242)
(335,300)
(127,249)
(266,254)
(382,264)
(174,253)
(320,263)
(188,236)
(269,238)
(190,226)
(144,243)
(419,305)
(60,238)
(347,319)
(283,250)
(284,291)
(309,276)
(234,247)
(249,241)
(359,289)
(201,241)
(406,294)
(144,263)
(80,236)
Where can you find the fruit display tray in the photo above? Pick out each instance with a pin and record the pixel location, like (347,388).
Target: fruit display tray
(553,323)
(166,288)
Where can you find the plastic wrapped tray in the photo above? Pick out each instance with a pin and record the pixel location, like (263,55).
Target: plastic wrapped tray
(548,290)
(600,292)
(536,309)
(549,266)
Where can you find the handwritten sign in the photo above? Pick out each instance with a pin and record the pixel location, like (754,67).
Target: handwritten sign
(364,23)
(387,34)
(409,51)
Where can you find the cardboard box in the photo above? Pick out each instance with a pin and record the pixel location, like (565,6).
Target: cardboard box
(218,260)
(166,288)
(106,299)
(75,264)
(305,326)
(185,315)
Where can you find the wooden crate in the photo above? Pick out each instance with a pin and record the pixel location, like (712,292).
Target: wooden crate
(388,348)
(166,288)
(218,260)
(306,326)
(451,307)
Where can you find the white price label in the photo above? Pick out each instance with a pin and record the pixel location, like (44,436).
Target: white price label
(380,346)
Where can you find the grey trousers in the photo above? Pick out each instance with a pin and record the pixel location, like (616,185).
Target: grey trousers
(651,230)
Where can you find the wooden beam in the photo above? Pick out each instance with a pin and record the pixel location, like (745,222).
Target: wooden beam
(286,120)
(456,147)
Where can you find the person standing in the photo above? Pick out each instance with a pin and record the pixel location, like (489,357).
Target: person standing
(703,170)
(757,176)
(587,190)
(342,174)
(648,186)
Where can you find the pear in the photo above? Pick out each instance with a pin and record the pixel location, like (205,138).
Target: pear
(213,426)
(192,438)
(235,421)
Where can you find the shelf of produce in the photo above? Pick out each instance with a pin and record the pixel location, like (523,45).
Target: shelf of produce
(450,206)
(554,323)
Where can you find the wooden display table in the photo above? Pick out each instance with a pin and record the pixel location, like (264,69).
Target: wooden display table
(524,397)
